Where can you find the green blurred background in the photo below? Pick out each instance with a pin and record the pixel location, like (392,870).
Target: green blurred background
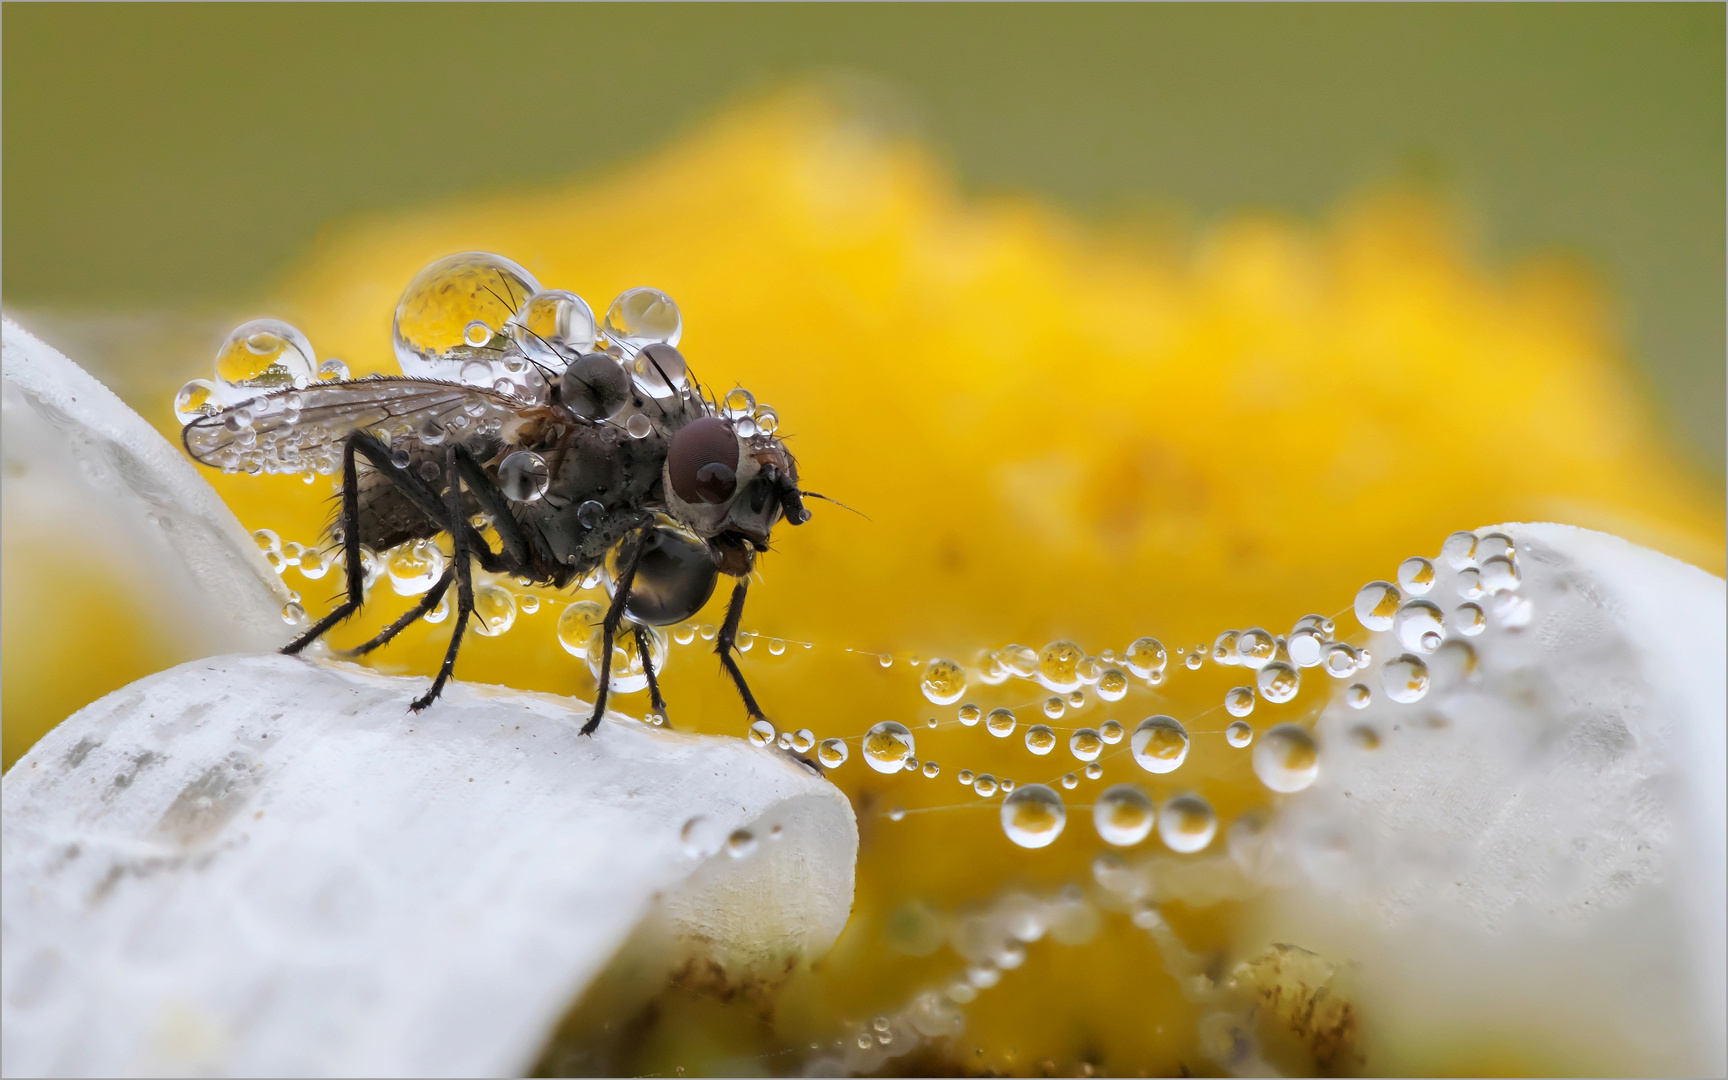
(169,157)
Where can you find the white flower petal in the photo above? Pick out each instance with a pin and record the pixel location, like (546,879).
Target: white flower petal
(260,864)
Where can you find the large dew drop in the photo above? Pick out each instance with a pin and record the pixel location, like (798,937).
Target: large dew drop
(1033,816)
(414,567)
(432,331)
(1123,815)
(944,681)
(1405,679)
(1159,744)
(643,316)
(1286,758)
(887,746)
(1376,604)
(1187,824)
(261,356)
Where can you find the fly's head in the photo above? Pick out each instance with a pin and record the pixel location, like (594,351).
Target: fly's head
(731,488)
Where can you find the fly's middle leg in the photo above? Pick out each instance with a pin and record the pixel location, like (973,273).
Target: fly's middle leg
(608,629)
(356,573)
(727,642)
(643,640)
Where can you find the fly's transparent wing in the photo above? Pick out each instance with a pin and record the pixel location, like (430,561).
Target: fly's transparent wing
(301,430)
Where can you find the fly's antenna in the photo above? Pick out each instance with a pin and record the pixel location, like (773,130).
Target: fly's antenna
(836,502)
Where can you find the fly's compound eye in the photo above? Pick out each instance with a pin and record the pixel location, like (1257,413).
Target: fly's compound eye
(675,576)
(594,386)
(703,461)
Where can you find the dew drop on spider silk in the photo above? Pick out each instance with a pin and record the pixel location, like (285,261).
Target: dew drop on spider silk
(1123,815)
(1357,696)
(738,403)
(970,714)
(1070,781)
(578,626)
(832,753)
(885,660)
(638,426)
(1145,657)
(1416,623)
(1339,660)
(965,777)
(909,765)
(1111,732)
(1305,646)
(197,398)
(887,745)
(1415,575)
(267,540)
(684,634)
(1239,701)
(944,681)
(293,614)
(1376,603)
(1468,619)
(1159,744)
(1192,662)
(1224,647)
(1000,723)
(494,609)
(1239,734)
(643,316)
(1112,684)
(1499,574)
(741,843)
(1059,666)
(776,646)
(333,370)
(1405,679)
(1459,550)
(1187,824)
(261,356)
(801,740)
(1278,682)
(932,723)
(1054,707)
(1040,740)
(1007,784)
(932,770)
(433,331)
(1286,759)
(414,567)
(1020,660)
(1093,770)
(314,564)
(1033,816)
(784,742)
(984,784)
(1086,744)
(761,733)
(553,327)
(1255,648)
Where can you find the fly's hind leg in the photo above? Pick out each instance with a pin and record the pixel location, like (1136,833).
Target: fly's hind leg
(643,641)
(726,643)
(356,573)
(609,629)
(464,572)
(427,603)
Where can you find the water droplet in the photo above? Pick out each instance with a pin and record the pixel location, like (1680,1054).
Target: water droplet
(1224,647)
(985,785)
(1459,550)
(1000,723)
(1493,545)
(738,403)
(700,837)
(776,646)
(1123,815)
(1040,739)
(434,332)
(708,631)
(1070,781)
(267,540)
(1145,657)
(414,567)
(261,356)
(1468,619)
(1111,732)
(1033,816)
(578,627)
(638,426)
(642,316)
(1007,785)
(1278,682)
(1405,679)
(1415,575)
(1112,684)
(885,660)
(684,634)
(1160,744)
(832,753)
(762,733)
(293,614)
(1339,660)
(660,371)
(887,746)
(965,776)
(1054,707)
(1239,701)
(1469,583)
(554,327)
(588,515)
(1376,603)
(1086,744)
(767,420)
(1452,664)
(1058,666)
(1358,696)
(197,398)
(741,843)
(1500,574)
(1416,623)
(909,765)
(970,714)
(944,681)
(1239,733)
(1187,824)
(1305,646)
(494,609)
(1255,648)
(1287,759)
(932,770)
(333,370)
(1193,662)
(1093,770)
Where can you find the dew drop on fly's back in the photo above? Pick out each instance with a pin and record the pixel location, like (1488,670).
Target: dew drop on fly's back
(523,476)
(588,515)
(642,316)
(943,682)
(738,403)
(1033,816)
(1287,759)
(594,386)
(887,746)
(638,426)
(1123,815)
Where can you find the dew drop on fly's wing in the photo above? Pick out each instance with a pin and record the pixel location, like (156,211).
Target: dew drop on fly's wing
(196,399)
(434,331)
(261,356)
(331,369)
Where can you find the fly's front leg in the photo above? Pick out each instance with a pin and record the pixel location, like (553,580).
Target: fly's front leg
(459,530)
(643,640)
(356,573)
(614,616)
(726,643)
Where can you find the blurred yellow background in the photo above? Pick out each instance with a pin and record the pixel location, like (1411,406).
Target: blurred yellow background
(1101,349)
